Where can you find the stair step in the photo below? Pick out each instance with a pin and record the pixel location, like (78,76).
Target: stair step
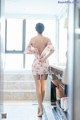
(18,86)
(14,85)
(22,95)
(18,77)
(17,91)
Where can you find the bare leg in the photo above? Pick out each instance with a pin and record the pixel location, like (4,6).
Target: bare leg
(43,85)
(39,93)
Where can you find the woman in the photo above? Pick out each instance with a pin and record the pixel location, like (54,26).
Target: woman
(42,48)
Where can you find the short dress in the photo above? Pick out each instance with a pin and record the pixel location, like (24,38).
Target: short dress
(40,67)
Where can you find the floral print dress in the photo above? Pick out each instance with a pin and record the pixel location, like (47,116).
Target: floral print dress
(40,67)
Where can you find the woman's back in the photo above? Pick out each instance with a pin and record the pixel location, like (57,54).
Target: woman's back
(39,42)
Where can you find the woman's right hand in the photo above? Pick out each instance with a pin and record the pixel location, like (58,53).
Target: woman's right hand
(43,58)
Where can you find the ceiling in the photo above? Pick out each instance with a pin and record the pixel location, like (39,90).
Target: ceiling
(40,7)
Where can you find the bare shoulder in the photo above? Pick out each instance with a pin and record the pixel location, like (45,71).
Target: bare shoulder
(47,40)
(32,40)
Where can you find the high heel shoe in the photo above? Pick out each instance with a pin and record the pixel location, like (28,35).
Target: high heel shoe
(38,110)
(40,114)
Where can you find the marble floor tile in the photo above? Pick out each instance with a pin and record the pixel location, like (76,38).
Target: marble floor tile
(26,111)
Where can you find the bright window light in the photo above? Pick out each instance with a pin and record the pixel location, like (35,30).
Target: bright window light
(14,34)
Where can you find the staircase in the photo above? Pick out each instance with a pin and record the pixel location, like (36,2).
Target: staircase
(18,86)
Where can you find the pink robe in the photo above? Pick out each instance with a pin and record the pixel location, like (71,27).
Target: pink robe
(39,67)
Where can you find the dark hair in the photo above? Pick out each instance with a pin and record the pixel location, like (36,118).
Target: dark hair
(39,28)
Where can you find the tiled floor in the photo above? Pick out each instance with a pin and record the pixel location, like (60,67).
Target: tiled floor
(26,111)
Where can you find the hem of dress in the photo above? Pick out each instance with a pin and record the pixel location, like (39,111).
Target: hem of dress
(41,74)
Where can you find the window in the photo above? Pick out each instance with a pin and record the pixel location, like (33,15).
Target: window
(14,61)
(14,44)
(18,34)
(14,35)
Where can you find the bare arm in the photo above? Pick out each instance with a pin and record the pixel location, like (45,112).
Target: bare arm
(49,49)
(49,54)
(46,56)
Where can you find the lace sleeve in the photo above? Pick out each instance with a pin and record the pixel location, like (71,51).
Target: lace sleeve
(31,50)
(49,48)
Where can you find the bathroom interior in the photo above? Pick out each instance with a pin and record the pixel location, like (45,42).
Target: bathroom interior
(17,87)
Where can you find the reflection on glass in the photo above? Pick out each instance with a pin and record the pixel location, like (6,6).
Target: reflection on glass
(62,41)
